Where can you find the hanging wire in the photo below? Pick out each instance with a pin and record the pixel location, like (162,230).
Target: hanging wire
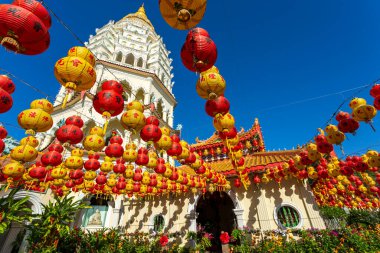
(80,41)
(41,92)
(361,150)
(312,99)
(25,83)
(361,88)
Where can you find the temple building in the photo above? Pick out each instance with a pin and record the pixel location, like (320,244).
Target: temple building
(131,51)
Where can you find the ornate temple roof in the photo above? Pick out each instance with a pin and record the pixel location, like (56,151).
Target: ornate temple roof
(140,15)
(256,158)
(215,141)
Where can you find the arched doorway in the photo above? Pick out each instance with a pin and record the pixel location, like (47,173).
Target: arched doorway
(215,214)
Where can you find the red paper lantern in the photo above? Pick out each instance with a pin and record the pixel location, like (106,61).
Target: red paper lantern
(256,180)
(161,168)
(195,32)
(231,133)
(220,105)
(52,158)
(109,101)
(71,132)
(176,148)
(74,120)
(101,179)
(151,131)
(375,90)
(119,167)
(21,27)
(38,172)
(7,87)
(201,170)
(114,150)
(199,52)
(237,183)
(142,156)
(92,163)
(76,174)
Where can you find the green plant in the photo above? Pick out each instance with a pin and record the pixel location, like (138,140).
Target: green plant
(13,210)
(329,212)
(241,241)
(53,224)
(363,218)
(203,244)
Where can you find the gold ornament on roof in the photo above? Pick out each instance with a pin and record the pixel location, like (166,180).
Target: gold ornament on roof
(140,14)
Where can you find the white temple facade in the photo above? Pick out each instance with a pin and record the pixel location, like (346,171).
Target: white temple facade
(130,51)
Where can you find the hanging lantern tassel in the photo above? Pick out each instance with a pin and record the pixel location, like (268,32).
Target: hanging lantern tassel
(70,86)
(106,116)
(341,149)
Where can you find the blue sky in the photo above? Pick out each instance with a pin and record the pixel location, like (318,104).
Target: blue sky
(271,53)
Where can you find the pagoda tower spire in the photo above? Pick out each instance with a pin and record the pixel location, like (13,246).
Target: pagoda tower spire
(141,15)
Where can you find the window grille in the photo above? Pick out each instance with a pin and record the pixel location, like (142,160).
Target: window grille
(159,223)
(288,216)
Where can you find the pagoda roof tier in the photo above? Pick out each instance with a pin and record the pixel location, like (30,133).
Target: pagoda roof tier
(215,141)
(256,162)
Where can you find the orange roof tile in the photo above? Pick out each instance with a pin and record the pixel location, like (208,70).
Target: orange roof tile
(253,162)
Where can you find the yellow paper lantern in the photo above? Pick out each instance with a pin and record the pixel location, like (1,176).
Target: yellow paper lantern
(210,85)
(95,141)
(224,122)
(24,153)
(13,169)
(133,121)
(165,142)
(36,119)
(182,14)
(75,72)
(107,165)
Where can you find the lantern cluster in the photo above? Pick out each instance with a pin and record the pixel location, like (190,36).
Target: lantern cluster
(24,27)
(76,71)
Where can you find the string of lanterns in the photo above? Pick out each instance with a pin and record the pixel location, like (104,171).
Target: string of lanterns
(336,182)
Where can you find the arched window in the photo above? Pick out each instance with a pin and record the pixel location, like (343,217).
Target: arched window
(140,62)
(287,216)
(127,91)
(130,59)
(119,57)
(140,95)
(158,223)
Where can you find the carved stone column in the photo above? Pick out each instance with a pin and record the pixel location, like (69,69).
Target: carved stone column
(116,213)
(239,217)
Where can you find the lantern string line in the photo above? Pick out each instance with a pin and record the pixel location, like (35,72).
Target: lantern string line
(25,83)
(81,41)
(11,125)
(361,150)
(311,99)
(362,88)
(43,93)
